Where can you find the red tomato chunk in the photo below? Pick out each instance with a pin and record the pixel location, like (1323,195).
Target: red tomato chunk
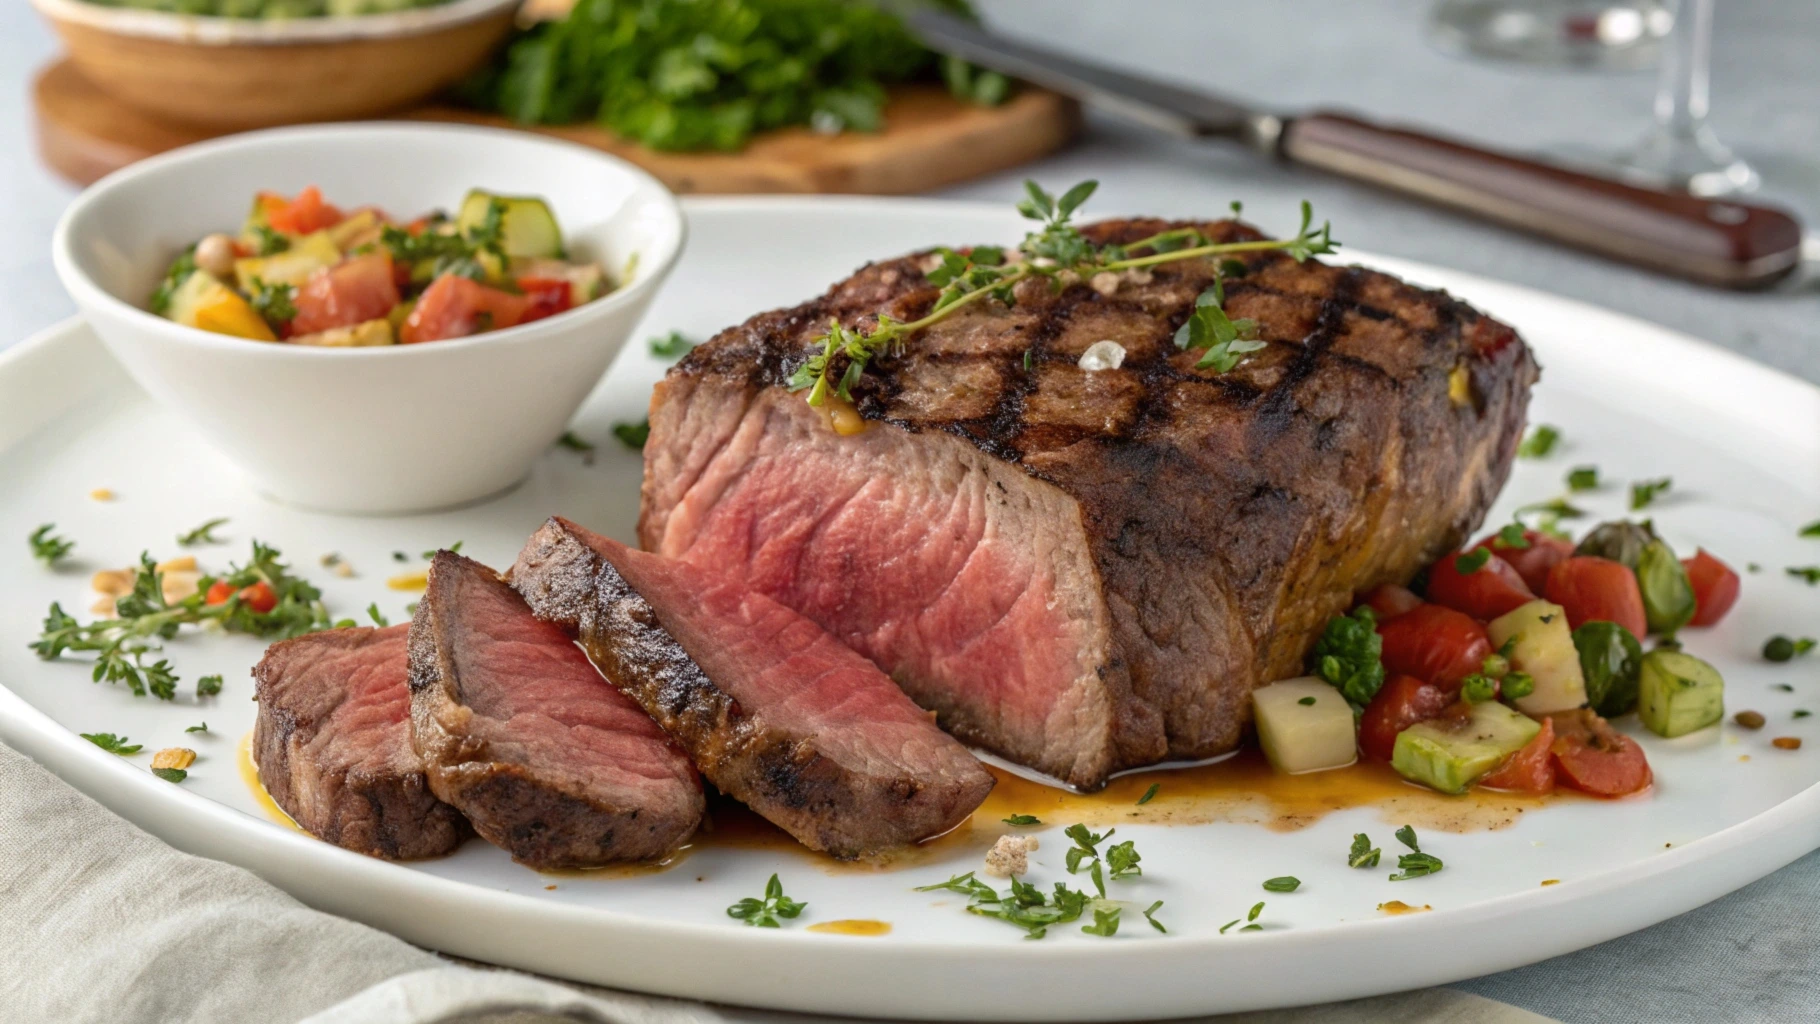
(1533,562)
(1435,645)
(1485,593)
(1401,703)
(1594,758)
(1390,601)
(1598,589)
(1530,770)
(1715,587)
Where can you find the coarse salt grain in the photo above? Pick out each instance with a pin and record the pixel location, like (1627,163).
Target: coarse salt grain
(1010,856)
(1103,355)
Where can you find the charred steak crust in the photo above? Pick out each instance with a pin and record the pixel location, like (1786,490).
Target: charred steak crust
(1225,517)
(503,711)
(847,799)
(332,745)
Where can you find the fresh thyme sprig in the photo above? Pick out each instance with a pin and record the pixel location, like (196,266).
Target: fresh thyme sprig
(1029,908)
(144,619)
(1056,248)
(204,534)
(763,913)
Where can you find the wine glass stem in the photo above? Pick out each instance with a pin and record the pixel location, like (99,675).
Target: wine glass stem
(1681,96)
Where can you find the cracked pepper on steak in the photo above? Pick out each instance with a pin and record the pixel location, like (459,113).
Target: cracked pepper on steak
(1088,571)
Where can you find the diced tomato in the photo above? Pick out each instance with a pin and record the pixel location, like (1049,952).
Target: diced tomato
(1434,644)
(1530,770)
(1598,588)
(301,215)
(259,597)
(1592,757)
(455,306)
(1715,587)
(1533,562)
(1402,702)
(348,293)
(219,592)
(1485,593)
(1390,601)
(549,296)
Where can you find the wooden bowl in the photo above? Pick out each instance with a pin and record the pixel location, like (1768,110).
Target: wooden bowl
(230,74)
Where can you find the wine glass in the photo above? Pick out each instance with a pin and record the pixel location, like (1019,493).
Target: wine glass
(1681,151)
(1595,34)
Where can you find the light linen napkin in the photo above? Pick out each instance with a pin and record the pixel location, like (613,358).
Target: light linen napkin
(101,922)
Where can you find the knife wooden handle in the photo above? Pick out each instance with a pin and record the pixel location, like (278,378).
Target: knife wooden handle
(1714,241)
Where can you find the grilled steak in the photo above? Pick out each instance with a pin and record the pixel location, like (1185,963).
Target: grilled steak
(519,731)
(1085,571)
(774,711)
(333,744)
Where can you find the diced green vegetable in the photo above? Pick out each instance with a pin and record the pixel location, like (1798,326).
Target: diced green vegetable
(1349,655)
(1678,693)
(1620,541)
(1668,597)
(293,266)
(1452,752)
(1610,661)
(1542,646)
(1304,725)
(527,227)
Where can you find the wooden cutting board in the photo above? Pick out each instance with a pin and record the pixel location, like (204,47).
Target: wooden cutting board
(930,139)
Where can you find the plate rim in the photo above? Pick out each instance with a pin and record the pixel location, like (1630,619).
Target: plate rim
(1757,845)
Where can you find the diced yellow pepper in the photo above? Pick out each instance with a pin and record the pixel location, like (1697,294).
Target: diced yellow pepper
(228,313)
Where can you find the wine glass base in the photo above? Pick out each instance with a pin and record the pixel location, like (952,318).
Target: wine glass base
(1692,161)
(1620,35)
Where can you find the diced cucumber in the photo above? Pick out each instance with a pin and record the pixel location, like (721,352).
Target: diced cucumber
(204,302)
(1304,725)
(1678,693)
(1543,647)
(1668,597)
(1453,751)
(352,228)
(527,227)
(293,266)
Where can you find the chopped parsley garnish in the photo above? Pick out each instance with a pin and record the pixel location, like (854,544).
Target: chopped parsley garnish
(270,242)
(1478,688)
(1362,854)
(204,727)
(1809,573)
(1023,820)
(1286,883)
(1251,917)
(453,549)
(171,774)
(1149,793)
(112,744)
(1349,655)
(399,556)
(1306,702)
(1781,648)
(1583,478)
(180,270)
(1811,530)
(1552,509)
(144,619)
(1511,537)
(574,443)
(276,302)
(1105,922)
(378,618)
(763,913)
(1540,442)
(208,686)
(1025,906)
(670,346)
(204,534)
(1643,493)
(633,435)
(1472,561)
(48,547)
(1782,688)
(1802,713)
(1414,864)
(1150,915)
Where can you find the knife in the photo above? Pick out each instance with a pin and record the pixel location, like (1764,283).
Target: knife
(1713,241)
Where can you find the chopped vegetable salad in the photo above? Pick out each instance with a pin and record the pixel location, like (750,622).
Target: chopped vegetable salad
(302,272)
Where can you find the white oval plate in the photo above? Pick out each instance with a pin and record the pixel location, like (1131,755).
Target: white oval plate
(1742,443)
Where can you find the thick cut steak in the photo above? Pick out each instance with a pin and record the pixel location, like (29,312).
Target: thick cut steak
(1085,571)
(333,744)
(773,710)
(518,731)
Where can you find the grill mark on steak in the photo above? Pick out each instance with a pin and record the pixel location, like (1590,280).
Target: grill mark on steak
(332,744)
(772,710)
(518,731)
(1190,532)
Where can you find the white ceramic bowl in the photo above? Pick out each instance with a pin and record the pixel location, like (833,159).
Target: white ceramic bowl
(404,428)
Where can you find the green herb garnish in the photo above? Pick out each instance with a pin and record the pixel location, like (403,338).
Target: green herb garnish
(763,913)
(143,620)
(48,547)
(1414,864)
(1472,561)
(208,686)
(1349,655)
(204,727)
(378,619)
(180,270)
(573,443)
(1149,793)
(1540,442)
(1643,493)
(1810,530)
(1054,247)
(1362,854)
(1781,648)
(670,346)
(112,744)
(1583,478)
(1025,906)
(1286,883)
(1105,922)
(1022,820)
(171,774)
(1809,573)
(1511,537)
(633,435)
(1150,915)
(204,534)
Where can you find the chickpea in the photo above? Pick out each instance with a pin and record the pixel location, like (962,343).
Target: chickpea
(215,254)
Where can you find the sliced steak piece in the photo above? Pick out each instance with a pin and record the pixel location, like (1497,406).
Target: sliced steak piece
(333,744)
(1085,571)
(774,711)
(518,730)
